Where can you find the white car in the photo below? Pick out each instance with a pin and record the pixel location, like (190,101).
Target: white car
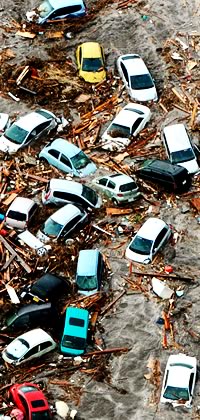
(137,78)
(129,122)
(20,213)
(120,188)
(153,234)
(28,346)
(62,223)
(27,129)
(179,380)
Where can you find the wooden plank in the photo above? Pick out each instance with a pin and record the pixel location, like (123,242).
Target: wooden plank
(9,200)
(19,259)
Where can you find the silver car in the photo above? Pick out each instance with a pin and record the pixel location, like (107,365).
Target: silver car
(119,187)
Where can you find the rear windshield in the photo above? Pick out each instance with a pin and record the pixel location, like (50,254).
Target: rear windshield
(16,215)
(141,81)
(128,187)
(38,403)
(77,322)
(182,156)
(92,64)
(90,195)
(43,113)
(87,282)
(73,342)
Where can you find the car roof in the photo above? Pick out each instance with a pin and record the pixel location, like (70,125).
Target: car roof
(65,147)
(119,179)
(126,118)
(176,136)
(163,165)
(30,121)
(91,50)
(79,313)
(87,262)
(134,64)
(65,213)
(65,185)
(151,228)
(179,375)
(57,4)
(34,337)
(21,204)
(32,307)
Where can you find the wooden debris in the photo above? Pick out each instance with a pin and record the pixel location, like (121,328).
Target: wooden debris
(111,304)
(26,34)
(112,211)
(16,256)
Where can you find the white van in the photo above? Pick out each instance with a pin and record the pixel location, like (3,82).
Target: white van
(62,191)
(179,147)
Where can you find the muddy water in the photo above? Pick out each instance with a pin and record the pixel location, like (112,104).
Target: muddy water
(133,324)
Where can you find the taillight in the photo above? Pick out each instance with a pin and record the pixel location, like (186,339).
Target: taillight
(47,195)
(119,195)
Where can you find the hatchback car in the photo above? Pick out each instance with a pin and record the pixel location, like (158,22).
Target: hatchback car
(47,288)
(137,78)
(128,122)
(61,191)
(170,177)
(62,223)
(89,271)
(28,346)
(91,62)
(20,213)
(31,316)
(27,129)
(148,240)
(57,9)
(119,187)
(179,148)
(68,158)
(4,122)
(31,401)
(75,333)
(179,380)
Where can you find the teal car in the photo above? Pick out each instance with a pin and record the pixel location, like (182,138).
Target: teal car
(74,337)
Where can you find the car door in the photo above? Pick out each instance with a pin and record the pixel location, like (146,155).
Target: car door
(42,128)
(137,126)
(53,157)
(33,352)
(124,74)
(101,184)
(45,347)
(65,164)
(24,406)
(79,56)
(110,189)
(161,238)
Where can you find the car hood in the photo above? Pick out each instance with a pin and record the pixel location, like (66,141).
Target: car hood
(7,146)
(144,94)
(89,169)
(191,166)
(93,77)
(143,259)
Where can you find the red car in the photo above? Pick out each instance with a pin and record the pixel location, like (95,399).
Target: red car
(31,401)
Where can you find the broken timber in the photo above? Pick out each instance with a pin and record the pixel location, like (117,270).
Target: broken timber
(13,255)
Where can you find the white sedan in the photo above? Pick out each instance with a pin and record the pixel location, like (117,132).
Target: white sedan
(128,122)
(153,234)
(137,78)
(27,346)
(27,129)
(179,380)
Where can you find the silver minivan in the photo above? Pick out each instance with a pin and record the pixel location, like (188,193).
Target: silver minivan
(62,191)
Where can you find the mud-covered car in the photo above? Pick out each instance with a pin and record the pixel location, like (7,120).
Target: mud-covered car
(27,129)
(57,9)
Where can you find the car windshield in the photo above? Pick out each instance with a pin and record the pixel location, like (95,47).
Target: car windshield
(40,415)
(92,64)
(16,134)
(80,160)
(51,228)
(87,282)
(90,195)
(44,9)
(17,349)
(141,245)
(73,342)
(182,156)
(141,81)
(28,388)
(128,187)
(117,130)
(174,393)
(16,215)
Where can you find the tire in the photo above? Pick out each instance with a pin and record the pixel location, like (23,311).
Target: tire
(43,160)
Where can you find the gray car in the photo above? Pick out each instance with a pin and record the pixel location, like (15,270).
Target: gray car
(119,187)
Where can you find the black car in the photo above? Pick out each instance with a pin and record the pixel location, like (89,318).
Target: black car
(171,177)
(31,316)
(46,288)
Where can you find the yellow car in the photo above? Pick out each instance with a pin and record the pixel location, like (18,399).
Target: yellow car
(91,62)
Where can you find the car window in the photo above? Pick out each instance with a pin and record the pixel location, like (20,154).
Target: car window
(32,210)
(70,225)
(191,382)
(42,127)
(22,320)
(102,53)
(160,237)
(31,136)
(136,124)
(65,161)
(16,215)
(80,54)
(103,181)
(45,345)
(111,185)
(54,153)
(72,9)
(124,71)
(31,352)
(25,405)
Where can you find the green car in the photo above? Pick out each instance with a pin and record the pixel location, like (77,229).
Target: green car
(74,337)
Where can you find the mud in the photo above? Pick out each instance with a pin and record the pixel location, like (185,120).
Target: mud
(133,323)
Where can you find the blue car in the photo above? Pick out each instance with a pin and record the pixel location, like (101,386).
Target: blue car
(67,157)
(74,337)
(50,10)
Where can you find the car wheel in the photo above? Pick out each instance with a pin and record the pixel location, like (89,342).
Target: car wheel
(115,202)
(43,160)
